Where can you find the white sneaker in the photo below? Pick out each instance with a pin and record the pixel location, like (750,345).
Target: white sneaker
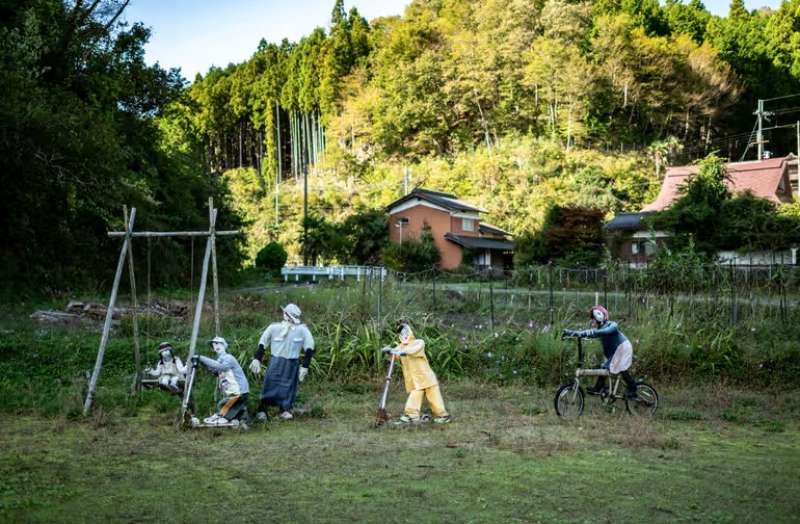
(261,416)
(195,422)
(405,419)
(442,420)
(286,416)
(211,420)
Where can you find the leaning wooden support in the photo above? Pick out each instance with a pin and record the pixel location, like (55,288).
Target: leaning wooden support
(137,355)
(87,405)
(198,311)
(214,276)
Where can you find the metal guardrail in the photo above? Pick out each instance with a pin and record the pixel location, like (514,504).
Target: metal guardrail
(332,272)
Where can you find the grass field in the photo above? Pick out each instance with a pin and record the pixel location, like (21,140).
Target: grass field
(712,455)
(723,448)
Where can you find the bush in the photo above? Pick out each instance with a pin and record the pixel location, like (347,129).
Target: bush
(271,258)
(413,255)
(571,236)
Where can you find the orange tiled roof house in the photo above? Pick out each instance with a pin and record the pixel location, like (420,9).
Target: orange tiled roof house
(456,227)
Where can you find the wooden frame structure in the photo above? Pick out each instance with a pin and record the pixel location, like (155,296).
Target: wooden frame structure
(210,258)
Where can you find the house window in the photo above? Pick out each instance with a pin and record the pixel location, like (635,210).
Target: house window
(467,224)
(643,247)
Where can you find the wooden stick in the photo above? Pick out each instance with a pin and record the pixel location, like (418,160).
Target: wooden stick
(173,233)
(98,365)
(214,277)
(137,356)
(198,311)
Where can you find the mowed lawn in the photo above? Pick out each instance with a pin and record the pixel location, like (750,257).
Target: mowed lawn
(713,455)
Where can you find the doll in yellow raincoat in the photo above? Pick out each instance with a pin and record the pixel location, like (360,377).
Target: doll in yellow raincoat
(420,380)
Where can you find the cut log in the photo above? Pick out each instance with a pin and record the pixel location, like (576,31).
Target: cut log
(55,316)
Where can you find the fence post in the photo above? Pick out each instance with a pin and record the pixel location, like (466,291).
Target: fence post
(491,304)
(434,289)
(380,295)
(552,297)
(734,305)
(530,285)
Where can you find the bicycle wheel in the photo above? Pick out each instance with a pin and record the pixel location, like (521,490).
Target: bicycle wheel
(569,400)
(646,402)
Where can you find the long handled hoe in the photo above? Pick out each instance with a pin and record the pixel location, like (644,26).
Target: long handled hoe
(382,417)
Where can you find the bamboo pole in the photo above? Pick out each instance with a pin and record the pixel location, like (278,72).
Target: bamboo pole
(137,356)
(293,138)
(278,141)
(214,278)
(198,311)
(98,365)
(307,129)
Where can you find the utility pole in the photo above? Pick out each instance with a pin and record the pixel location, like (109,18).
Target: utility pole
(797,161)
(406,180)
(760,133)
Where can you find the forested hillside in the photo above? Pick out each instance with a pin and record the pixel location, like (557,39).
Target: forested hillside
(515,104)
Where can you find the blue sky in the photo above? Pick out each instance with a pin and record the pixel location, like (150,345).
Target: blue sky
(196,34)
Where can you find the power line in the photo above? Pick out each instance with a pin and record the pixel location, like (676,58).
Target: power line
(781,97)
(748,142)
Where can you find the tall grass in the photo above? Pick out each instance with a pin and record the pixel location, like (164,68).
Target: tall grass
(44,368)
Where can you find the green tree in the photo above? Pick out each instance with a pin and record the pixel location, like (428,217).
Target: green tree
(571,236)
(271,258)
(366,233)
(413,255)
(697,215)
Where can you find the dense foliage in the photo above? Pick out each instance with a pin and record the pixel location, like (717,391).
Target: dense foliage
(450,75)
(515,105)
(79,138)
(707,218)
(271,258)
(413,255)
(459,91)
(570,236)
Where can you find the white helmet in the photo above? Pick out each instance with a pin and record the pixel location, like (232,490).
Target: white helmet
(293,312)
(218,340)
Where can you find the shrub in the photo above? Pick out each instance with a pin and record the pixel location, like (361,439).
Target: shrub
(413,255)
(271,258)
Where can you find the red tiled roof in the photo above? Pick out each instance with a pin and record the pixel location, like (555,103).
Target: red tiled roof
(762,178)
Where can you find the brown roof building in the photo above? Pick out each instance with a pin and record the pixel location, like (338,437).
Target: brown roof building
(774,179)
(456,227)
(765,178)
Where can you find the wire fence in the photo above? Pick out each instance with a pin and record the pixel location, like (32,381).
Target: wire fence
(545,295)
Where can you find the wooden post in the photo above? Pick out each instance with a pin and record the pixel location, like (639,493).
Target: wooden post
(491,304)
(433,283)
(137,356)
(380,295)
(198,311)
(550,295)
(214,276)
(98,365)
